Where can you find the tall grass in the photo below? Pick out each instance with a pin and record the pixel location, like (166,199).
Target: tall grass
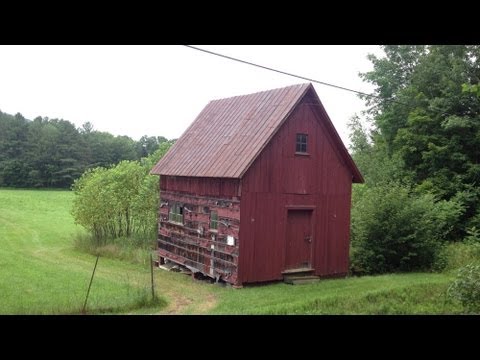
(134,249)
(455,255)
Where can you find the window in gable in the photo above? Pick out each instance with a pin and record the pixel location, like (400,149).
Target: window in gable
(301,145)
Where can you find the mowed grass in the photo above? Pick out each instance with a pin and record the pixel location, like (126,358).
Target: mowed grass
(395,294)
(42,273)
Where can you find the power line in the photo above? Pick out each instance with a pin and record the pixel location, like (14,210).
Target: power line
(299,76)
(289,74)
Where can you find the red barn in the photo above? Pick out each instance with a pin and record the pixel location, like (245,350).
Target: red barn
(257,187)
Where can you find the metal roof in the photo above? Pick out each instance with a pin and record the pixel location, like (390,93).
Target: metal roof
(229,134)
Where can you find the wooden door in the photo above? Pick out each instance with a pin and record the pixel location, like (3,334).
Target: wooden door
(299,239)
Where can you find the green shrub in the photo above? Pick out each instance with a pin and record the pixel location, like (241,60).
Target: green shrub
(121,201)
(394,229)
(103,201)
(466,288)
(473,236)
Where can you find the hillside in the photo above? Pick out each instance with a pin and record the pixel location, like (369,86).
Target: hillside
(42,273)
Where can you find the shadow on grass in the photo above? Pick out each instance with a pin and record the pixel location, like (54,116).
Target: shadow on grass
(143,302)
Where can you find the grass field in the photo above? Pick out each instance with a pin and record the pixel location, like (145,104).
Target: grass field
(42,273)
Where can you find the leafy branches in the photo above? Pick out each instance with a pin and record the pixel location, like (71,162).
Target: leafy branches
(120,201)
(421,158)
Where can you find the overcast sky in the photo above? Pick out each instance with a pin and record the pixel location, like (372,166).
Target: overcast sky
(159,90)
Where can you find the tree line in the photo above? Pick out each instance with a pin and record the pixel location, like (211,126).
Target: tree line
(419,152)
(53,152)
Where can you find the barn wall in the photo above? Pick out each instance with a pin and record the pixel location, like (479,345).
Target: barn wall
(193,243)
(213,187)
(279,178)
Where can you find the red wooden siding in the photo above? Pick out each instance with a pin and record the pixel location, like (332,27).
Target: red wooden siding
(278,180)
(216,187)
(193,243)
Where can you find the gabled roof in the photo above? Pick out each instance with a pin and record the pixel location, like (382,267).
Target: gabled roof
(229,134)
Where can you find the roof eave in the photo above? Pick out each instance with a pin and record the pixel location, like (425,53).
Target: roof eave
(356,174)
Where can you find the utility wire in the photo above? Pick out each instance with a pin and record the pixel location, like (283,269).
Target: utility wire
(290,74)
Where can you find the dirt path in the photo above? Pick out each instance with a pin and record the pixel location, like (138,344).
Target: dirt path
(185,296)
(178,303)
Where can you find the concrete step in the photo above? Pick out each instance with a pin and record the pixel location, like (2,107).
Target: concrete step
(296,279)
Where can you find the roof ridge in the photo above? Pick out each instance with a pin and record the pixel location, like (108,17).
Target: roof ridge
(262,91)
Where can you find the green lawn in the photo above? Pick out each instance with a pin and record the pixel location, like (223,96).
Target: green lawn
(41,273)
(418,293)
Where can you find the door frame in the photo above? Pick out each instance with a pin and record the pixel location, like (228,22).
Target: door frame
(311,208)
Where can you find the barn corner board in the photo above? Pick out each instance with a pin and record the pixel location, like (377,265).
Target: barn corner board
(258,186)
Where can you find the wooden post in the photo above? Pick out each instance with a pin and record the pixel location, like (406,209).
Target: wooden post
(90,285)
(151,276)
